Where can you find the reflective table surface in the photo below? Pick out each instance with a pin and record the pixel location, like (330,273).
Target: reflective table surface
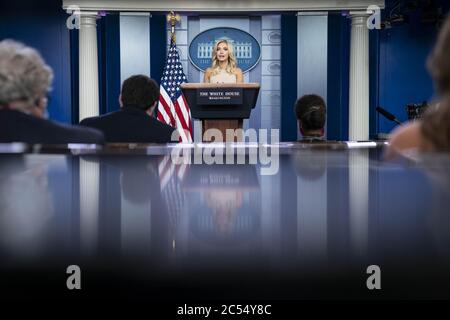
(141,224)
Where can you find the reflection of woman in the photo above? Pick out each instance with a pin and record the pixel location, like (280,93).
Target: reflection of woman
(224,65)
(224,204)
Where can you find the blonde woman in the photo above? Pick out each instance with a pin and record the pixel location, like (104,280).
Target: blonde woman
(224,65)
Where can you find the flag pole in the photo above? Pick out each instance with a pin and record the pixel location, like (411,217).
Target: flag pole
(173,19)
(173,108)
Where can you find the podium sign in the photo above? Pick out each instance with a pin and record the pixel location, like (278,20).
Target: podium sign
(221,106)
(219,100)
(219,96)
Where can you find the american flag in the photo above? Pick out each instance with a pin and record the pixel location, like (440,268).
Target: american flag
(173,108)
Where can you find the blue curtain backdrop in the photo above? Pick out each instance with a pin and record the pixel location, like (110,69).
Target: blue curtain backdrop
(288,76)
(158,44)
(338,76)
(42,25)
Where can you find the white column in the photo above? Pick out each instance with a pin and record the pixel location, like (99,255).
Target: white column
(88,66)
(359,78)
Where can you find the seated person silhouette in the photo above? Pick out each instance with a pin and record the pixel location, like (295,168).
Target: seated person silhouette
(311,115)
(134,122)
(25,81)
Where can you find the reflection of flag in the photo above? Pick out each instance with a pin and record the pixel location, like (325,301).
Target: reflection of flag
(171,177)
(173,108)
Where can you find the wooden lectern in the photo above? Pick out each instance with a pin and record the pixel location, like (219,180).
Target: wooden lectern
(221,106)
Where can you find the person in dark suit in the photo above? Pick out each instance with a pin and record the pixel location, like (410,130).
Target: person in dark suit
(311,115)
(134,122)
(25,81)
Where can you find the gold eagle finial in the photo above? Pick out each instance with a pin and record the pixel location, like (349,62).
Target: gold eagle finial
(173,19)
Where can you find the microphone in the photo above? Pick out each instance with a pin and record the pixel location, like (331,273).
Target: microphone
(388,115)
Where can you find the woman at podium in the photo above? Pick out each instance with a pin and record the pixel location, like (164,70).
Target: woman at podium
(224,65)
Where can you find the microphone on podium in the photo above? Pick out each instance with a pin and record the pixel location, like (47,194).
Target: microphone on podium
(388,115)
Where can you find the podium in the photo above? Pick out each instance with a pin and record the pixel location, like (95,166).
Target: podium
(221,106)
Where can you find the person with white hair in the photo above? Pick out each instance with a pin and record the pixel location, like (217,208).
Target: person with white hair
(25,80)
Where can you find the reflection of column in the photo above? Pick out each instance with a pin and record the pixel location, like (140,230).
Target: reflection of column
(359,78)
(135,224)
(89,204)
(269,194)
(359,199)
(88,66)
(312,206)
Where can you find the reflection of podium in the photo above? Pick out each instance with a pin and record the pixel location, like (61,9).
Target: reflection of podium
(221,106)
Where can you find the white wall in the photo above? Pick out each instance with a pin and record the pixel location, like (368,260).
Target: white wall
(312,55)
(134,44)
